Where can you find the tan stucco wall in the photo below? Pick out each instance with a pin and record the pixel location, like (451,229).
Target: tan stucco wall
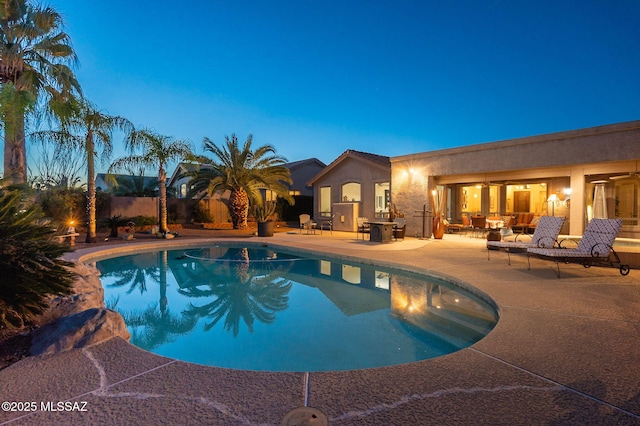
(351,170)
(134,206)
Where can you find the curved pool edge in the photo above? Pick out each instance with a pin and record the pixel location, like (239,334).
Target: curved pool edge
(454,339)
(510,370)
(96,253)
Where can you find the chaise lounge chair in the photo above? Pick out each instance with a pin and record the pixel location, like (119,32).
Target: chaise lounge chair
(545,235)
(595,247)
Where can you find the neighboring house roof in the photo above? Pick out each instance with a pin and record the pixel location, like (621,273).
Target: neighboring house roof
(379,161)
(301,171)
(294,167)
(304,163)
(180,169)
(106,186)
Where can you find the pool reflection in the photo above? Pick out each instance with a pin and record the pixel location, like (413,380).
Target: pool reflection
(163,297)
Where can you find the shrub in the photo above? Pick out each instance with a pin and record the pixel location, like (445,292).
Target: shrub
(63,204)
(172,214)
(201,213)
(144,220)
(113,223)
(264,212)
(30,263)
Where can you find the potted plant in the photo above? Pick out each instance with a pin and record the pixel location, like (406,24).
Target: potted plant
(263,214)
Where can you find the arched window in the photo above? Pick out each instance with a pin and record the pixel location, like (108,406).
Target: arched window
(351,192)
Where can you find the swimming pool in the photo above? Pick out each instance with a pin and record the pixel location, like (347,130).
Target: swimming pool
(253,307)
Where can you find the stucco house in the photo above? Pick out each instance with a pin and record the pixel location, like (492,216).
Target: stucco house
(578,174)
(355,184)
(301,172)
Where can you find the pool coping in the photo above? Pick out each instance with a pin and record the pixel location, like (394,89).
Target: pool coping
(563,351)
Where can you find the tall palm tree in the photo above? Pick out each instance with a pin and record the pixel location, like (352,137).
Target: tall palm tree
(242,171)
(86,128)
(157,151)
(35,59)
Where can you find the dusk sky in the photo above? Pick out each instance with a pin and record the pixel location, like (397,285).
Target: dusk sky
(314,78)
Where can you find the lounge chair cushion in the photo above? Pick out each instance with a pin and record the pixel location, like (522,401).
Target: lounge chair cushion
(597,241)
(546,235)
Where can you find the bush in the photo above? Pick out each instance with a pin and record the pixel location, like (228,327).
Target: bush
(201,214)
(63,204)
(172,214)
(30,263)
(144,220)
(113,223)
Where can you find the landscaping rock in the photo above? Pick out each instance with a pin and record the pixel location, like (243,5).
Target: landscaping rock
(87,294)
(78,330)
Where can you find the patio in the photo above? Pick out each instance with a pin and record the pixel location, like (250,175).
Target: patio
(564,351)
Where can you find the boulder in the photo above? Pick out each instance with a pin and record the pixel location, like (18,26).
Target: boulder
(78,330)
(87,293)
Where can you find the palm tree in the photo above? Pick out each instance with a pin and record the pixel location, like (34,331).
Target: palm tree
(135,186)
(157,150)
(86,128)
(35,55)
(243,172)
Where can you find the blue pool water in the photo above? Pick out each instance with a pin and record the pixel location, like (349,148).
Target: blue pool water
(259,308)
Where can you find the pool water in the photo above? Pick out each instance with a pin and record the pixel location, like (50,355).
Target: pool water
(259,308)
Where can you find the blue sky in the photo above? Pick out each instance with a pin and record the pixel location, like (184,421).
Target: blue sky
(314,78)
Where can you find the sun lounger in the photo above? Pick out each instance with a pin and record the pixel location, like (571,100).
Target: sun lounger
(595,247)
(545,235)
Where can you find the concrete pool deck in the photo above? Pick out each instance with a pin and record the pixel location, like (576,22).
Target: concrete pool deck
(565,351)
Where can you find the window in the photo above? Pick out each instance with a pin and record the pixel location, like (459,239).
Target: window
(626,201)
(325,201)
(382,198)
(351,192)
(470,200)
(183,190)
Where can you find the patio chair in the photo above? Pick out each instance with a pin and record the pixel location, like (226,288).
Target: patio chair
(307,223)
(328,223)
(399,229)
(459,227)
(595,247)
(362,226)
(479,225)
(545,235)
